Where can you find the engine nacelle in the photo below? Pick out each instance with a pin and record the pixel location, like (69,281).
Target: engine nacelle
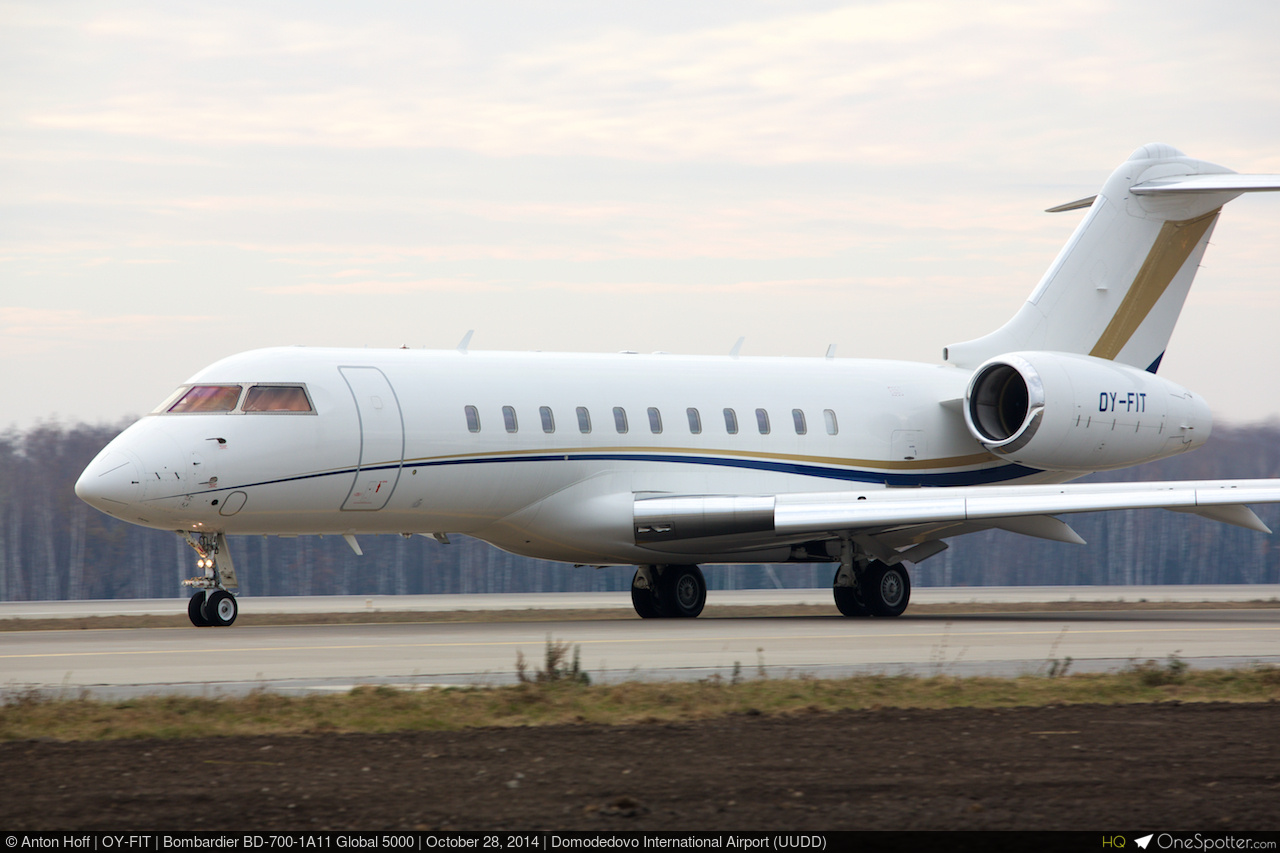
(1063,412)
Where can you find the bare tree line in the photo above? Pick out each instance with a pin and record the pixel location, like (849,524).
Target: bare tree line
(53,546)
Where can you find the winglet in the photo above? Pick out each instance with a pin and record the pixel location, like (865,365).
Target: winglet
(466,341)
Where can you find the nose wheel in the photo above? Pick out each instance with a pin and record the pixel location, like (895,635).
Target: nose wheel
(195,610)
(212,605)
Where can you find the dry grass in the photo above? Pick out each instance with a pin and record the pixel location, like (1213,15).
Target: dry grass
(26,715)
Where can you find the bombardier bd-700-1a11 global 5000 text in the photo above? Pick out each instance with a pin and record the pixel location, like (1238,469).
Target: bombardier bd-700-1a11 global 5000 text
(665,462)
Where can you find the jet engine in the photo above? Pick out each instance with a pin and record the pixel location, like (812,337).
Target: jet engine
(1064,412)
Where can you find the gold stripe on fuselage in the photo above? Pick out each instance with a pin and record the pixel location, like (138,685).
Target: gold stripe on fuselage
(875,464)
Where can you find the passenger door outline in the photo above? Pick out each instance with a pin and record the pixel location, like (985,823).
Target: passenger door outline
(381,438)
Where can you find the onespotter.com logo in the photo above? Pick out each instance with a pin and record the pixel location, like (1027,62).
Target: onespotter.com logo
(1197,841)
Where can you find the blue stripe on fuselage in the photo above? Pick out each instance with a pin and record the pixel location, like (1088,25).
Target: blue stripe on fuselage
(978,477)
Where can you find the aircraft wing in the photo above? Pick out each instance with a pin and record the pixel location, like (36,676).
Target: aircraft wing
(878,514)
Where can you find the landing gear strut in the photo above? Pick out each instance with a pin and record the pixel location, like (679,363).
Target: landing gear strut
(671,592)
(212,604)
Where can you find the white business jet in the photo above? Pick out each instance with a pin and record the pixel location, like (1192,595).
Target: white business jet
(665,461)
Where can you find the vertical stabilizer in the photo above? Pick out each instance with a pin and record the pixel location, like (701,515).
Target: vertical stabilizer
(1117,287)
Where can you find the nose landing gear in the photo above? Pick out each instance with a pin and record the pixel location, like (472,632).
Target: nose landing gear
(212,604)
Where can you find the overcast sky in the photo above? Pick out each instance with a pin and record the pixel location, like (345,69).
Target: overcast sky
(183,181)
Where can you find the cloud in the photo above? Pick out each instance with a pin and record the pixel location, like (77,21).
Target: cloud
(376,287)
(33,331)
(867,83)
(761,168)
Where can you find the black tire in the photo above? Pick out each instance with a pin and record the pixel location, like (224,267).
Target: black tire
(645,601)
(886,589)
(195,610)
(682,591)
(847,602)
(220,608)
(848,599)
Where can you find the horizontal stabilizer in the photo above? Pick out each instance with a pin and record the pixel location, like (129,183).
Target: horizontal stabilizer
(1220,183)
(1072,205)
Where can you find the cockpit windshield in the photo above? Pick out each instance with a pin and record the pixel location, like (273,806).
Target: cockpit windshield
(277,398)
(202,398)
(213,399)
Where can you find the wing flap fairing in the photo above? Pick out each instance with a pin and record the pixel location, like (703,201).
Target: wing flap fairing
(1235,514)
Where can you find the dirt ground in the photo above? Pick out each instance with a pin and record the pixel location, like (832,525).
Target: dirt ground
(1159,767)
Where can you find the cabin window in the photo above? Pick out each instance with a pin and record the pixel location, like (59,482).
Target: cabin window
(277,398)
(584,420)
(731,421)
(473,418)
(762,421)
(548,419)
(797,415)
(620,419)
(830,418)
(655,420)
(509,418)
(695,421)
(204,398)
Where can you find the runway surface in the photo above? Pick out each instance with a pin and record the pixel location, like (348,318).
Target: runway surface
(298,659)
(622,600)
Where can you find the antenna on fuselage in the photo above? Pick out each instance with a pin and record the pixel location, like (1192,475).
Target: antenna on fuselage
(737,348)
(466,341)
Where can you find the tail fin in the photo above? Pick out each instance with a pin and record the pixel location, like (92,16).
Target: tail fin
(1117,287)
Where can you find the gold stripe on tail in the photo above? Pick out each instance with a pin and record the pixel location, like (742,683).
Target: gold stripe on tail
(1173,246)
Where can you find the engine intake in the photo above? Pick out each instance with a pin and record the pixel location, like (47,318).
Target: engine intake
(1004,403)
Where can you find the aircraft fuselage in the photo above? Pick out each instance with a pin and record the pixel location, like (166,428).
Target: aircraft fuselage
(538,464)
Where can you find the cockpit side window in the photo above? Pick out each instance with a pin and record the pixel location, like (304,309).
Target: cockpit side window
(277,398)
(203,398)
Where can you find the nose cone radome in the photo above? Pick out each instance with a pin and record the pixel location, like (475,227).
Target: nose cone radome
(111,483)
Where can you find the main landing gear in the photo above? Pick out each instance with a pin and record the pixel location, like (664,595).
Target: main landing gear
(213,605)
(861,588)
(873,589)
(668,592)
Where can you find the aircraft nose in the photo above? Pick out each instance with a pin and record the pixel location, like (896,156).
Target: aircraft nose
(111,483)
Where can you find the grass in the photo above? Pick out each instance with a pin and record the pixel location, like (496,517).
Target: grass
(560,692)
(557,696)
